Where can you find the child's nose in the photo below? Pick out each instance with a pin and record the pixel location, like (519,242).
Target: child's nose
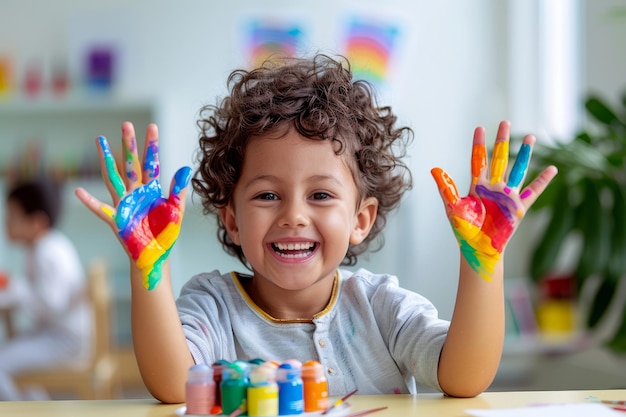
(294,214)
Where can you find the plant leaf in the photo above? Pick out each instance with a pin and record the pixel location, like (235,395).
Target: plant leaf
(559,226)
(583,137)
(601,111)
(616,265)
(618,342)
(601,302)
(577,155)
(595,231)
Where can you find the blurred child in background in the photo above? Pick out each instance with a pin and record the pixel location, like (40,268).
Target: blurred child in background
(52,293)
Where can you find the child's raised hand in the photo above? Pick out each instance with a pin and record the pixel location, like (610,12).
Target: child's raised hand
(485,219)
(147,224)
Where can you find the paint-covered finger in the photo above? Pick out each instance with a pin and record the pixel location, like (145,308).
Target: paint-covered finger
(178,188)
(111,175)
(500,157)
(103,211)
(479,154)
(132,167)
(520,167)
(530,194)
(151,164)
(446,185)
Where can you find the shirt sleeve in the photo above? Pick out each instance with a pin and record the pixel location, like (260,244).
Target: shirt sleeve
(203,316)
(414,331)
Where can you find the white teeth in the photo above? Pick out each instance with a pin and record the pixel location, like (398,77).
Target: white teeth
(294,246)
(294,255)
(294,250)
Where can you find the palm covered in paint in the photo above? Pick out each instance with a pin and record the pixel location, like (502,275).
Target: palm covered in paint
(147,223)
(485,219)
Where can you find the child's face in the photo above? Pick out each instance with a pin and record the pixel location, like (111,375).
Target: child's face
(20,227)
(295,209)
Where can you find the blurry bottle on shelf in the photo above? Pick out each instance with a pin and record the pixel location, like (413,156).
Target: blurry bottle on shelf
(6,76)
(100,66)
(33,79)
(556,309)
(59,79)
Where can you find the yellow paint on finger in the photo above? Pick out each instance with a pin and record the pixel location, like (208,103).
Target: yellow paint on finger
(499,160)
(108,211)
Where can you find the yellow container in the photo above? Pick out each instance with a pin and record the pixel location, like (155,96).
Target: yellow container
(556,317)
(263,400)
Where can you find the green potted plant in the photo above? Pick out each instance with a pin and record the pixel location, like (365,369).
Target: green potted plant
(587,201)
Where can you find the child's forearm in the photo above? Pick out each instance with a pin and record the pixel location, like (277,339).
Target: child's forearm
(471,354)
(158,339)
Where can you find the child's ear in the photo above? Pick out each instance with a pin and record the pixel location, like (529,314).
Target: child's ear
(227,214)
(365,218)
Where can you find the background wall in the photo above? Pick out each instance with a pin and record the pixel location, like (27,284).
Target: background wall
(456,65)
(448,74)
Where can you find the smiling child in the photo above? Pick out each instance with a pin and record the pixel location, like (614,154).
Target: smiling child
(302,167)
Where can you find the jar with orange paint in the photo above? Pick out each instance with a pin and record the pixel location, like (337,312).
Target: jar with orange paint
(315,387)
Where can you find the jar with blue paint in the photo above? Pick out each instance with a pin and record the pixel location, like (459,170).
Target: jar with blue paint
(290,389)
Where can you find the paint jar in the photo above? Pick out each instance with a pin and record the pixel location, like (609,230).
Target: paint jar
(234,386)
(263,391)
(290,389)
(200,390)
(556,310)
(315,387)
(6,75)
(256,361)
(217,377)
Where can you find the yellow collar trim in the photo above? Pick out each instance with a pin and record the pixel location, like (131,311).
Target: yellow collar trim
(246,297)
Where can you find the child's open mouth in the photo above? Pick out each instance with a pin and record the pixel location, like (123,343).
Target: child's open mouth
(294,250)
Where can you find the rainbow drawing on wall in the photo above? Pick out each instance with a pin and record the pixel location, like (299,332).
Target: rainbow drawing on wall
(271,38)
(369,46)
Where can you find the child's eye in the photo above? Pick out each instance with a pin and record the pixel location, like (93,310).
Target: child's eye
(321,196)
(267,196)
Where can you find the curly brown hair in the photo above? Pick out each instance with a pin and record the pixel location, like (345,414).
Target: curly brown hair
(320,100)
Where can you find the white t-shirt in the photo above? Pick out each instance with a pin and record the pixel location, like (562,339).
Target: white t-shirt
(55,295)
(373,336)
